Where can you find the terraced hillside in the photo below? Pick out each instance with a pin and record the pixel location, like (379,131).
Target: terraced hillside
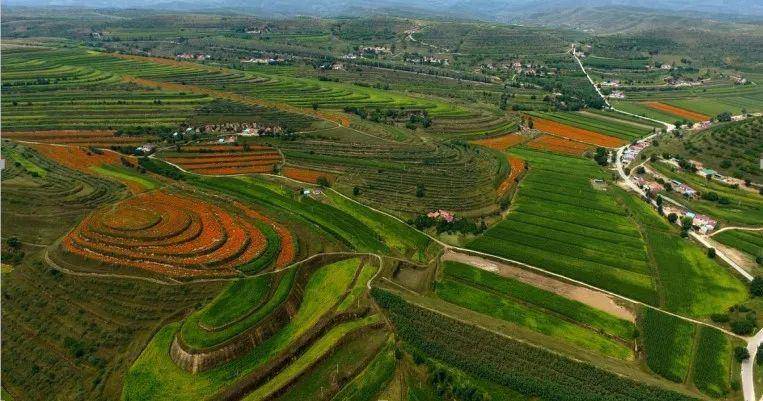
(37,190)
(297,319)
(204,206)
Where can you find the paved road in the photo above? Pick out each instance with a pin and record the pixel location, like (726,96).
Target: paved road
(737,228)
(748,379)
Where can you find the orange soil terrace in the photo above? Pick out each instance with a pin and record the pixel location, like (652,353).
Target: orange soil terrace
(75,157)
(169,234)
(576,134)
(517,166)
(98,138)
(559,145)
(677,111)
(306,175)
(226,159)
(502,142)
(288,251)
(82,159)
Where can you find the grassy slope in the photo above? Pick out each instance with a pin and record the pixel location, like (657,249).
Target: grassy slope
(561,223)
(691,283)
(154,376)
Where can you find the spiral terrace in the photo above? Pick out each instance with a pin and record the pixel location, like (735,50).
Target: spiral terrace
(173,234)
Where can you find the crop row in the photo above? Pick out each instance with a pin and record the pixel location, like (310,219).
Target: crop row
(527,369)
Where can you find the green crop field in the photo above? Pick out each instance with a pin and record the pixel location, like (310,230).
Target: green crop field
(668,344)
(712,364)
(749,242)
(536,309)
(586,234)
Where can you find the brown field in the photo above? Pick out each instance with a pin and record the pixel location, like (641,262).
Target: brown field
(517,166)
(576,134)
(226,159)
(306,175)
(502,142)
(677,111)
(559,145)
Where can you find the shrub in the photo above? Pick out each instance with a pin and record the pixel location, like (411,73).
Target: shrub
(741,354)
(756,286)
(720,317)
(742,327)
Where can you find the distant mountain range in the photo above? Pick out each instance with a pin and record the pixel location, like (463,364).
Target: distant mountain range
(542,11)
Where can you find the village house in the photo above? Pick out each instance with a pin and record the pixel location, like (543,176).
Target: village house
(146,148)
(683,189)
(441,214)
(617,95)
(704,224)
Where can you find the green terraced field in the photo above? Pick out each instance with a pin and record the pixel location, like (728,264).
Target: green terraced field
(560,222)
(538,310)
(749,242)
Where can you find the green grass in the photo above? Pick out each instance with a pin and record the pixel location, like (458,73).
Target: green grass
(353,298)
(27,164)
(691,283)
(155,377)
(195,337)
(749,242)
(396,234)
(126,174)
(372,379)
(496,304)
(668,343)
(559,222)
(712,363)
(317,350)
(238,298)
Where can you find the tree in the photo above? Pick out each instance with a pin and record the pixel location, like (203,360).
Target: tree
(356,191)
(711,253)
(420,191)
(323,181)
(672,217)
(759,355)
(640,170)
(742,327)
(723,117)
(315,105)
(756,286)
(601,156)
(13,243)
(686,223)
(741,354)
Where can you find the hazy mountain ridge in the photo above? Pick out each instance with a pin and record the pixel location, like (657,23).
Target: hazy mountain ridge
(494,10)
